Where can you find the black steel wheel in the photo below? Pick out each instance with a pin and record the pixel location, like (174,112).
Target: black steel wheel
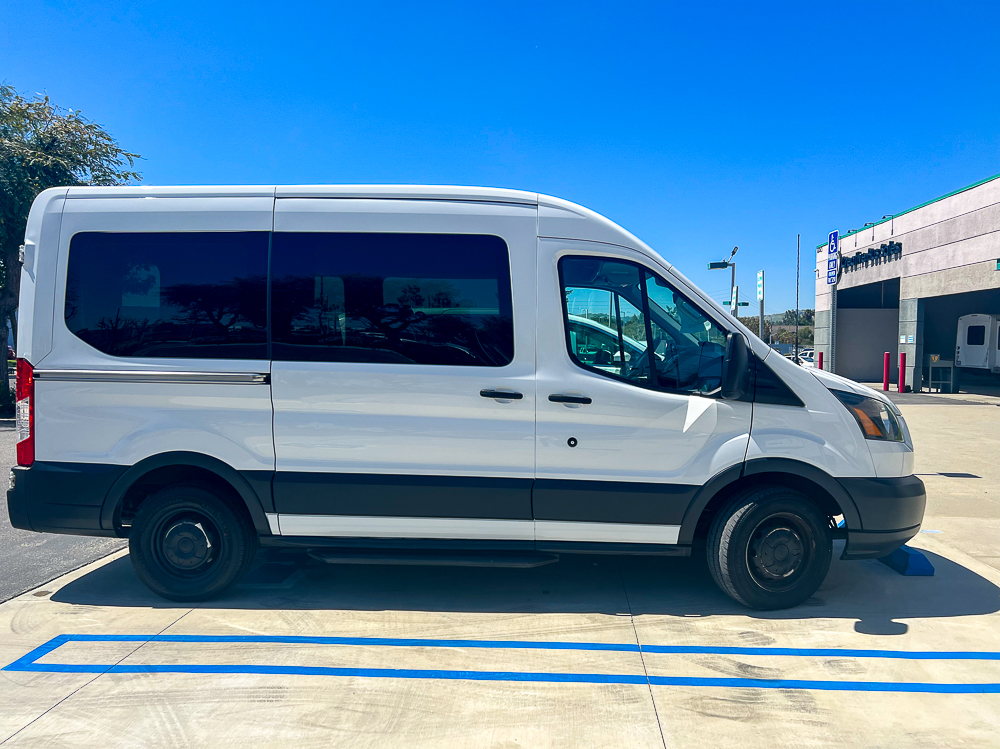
(770,548)
(188,544)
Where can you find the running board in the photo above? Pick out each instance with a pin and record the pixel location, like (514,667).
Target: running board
(522,560)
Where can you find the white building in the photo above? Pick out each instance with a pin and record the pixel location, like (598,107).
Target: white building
(906,279)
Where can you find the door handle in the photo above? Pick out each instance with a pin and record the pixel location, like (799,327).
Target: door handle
(506,395)
(580,399)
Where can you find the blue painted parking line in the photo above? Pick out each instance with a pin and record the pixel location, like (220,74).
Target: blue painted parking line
(827,686)
(28,663)
(910,655)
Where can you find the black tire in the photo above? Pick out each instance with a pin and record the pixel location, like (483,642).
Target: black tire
(770,548)
(189,544)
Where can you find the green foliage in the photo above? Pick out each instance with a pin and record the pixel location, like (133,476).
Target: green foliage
(635,328)
(754,324)
(787,335)
(806,317)
(42,146)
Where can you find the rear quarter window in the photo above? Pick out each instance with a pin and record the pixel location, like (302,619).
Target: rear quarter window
(194,295)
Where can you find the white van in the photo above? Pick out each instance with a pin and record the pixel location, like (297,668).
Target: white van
(387,372)
(977,344)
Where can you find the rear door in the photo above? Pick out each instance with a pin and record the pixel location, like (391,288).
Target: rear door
(403,368)
(630,423)
(995,353)
(974,340)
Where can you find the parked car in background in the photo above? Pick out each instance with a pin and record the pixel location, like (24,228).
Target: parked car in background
(802,361)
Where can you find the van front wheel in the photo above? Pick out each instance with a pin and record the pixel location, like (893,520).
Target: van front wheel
(770,548)
(188,544)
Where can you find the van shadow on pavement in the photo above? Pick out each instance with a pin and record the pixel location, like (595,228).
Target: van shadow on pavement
(866,591)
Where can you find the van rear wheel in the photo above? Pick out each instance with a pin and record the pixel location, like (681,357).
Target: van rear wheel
(188,544)
(770,548)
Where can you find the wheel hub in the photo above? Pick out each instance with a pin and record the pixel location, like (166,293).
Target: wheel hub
(777,551)
(186,545)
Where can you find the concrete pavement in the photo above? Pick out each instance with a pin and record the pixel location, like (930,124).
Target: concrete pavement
(591,685)
(28,559)
(958,458)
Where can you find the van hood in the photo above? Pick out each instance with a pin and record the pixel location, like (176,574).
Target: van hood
(836,382)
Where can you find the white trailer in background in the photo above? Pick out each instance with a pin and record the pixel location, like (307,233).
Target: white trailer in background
(977,345)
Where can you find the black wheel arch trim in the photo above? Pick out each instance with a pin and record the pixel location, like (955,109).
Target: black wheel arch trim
(706,494)
(724,479)
(852,517)
(254,502)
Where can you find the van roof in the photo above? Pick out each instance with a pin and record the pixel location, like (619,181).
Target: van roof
(557,217)
(412,192)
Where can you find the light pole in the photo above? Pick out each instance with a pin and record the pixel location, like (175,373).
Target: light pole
(760,298)
(728,263)
(798,252)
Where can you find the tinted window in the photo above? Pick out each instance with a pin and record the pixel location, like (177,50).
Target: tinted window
(196,295)
(613,308)
(976,335)
(396,298)
(688,347)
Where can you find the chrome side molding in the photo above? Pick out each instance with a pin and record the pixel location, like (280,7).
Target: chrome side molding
(194,378)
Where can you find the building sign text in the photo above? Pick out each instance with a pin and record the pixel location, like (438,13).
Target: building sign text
(874,256)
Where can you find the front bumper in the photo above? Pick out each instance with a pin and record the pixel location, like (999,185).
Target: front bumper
(891,511)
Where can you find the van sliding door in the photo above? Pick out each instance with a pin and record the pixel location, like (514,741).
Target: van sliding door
(402,379)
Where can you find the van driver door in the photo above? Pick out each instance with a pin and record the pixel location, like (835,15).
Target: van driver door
(630,422)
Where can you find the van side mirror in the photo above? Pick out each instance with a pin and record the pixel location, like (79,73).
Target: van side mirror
(735,368)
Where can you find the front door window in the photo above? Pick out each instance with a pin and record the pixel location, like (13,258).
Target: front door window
(626,322)
(606,332)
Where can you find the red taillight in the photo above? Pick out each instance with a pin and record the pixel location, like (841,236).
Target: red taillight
(25,413)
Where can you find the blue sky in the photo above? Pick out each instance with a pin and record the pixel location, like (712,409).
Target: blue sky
(698,126)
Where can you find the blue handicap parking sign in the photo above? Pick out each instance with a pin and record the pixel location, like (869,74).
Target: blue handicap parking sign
(833,246)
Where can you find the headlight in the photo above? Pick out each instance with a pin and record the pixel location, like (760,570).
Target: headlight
(877,420)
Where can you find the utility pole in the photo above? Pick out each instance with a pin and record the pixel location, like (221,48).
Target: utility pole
(833,328)
(760,298)
(798,248)
(732,281)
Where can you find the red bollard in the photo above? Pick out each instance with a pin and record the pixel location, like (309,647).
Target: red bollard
(885,371)
(902,372)
(821,360)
